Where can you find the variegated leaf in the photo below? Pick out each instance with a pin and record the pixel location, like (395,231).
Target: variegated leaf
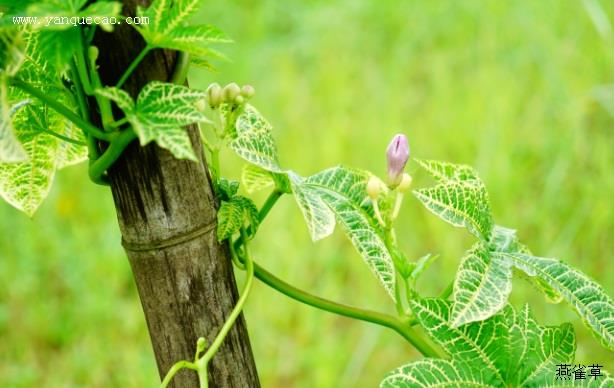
(119,96)
(233,214)
(11,150)
(481,287)
(318,216)
(462,204)
(255,179)
(343,191)
(587,297)
(430,372)
(166,104)
(167,28)
(448,172)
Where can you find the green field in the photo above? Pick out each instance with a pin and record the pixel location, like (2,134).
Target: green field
(508,87)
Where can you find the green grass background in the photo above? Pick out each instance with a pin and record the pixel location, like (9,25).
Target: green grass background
(507,87)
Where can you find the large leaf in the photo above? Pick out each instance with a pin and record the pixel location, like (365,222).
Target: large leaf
(167,28)
(507,349)
(482,286)
(434,373)
(343,191)
(587,297)
(160,111)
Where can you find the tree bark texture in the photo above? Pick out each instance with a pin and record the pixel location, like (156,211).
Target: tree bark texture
(167,215)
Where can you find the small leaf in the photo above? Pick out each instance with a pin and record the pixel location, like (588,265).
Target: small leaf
(233,214)
(587,297)
(166,104)
(445,172)
(227,188)
(482,286)
(255,179)
(422,265)
(319,218)
(120,97)
(462,204)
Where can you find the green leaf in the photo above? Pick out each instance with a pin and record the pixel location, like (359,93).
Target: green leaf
(344,191)
(422,265)
(167,28)
(255,179)
(482,343)
(318,216)
(445,172)
(481,287)
(462,204)
(11,149)
(434,373)
(508,349)
(227,188)
(254,140)
(233,214)
(160,111)
(587,297)
(166,104)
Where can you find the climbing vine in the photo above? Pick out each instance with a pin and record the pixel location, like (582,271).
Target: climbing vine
(49,85)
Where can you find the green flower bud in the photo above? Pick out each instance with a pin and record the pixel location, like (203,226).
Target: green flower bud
(231,91)
(405,183)
(214,95)
(374,187)
(239,100)
(92,52)
(248,91)
(201,344)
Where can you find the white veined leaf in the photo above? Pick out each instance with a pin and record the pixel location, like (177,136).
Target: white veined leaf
(509,349)
(483,343)
(70,154)
(448,172)
(166,104)
(11,150)
(341,190)
(255,179)
(462,204)
(422,264)
(587,297)
(174,139)
(319,218)
(12,50)
(257,147)
(25,185)
(482,286)
(232,216)
(119,96)
(435,373)
(167,28)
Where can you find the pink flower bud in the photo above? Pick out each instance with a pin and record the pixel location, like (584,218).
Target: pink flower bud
(397,155)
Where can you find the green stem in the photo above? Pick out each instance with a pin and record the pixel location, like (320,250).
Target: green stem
(61,109)
(82,72)
(181,68)
(106,112)
(401,327)
(249,270)
(176,368)
(447,291)
(92,146)
(62,137)
(118,123)
(133,66)
(98,168)
(268,204)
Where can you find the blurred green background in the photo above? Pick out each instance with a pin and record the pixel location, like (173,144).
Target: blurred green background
(508,87)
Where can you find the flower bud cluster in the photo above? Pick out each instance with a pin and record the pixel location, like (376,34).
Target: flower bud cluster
(229,94)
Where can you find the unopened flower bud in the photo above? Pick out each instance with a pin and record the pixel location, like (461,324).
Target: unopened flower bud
(373,187)
(397,155)
(231,91)
(239,100)
(214,95)
(92,52)
(405,183)
(201,344)
(248,91)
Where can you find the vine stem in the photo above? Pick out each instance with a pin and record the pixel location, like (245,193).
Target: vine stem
(176,368)
(401,327)
(118,143)
(61,109)
(133,66)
